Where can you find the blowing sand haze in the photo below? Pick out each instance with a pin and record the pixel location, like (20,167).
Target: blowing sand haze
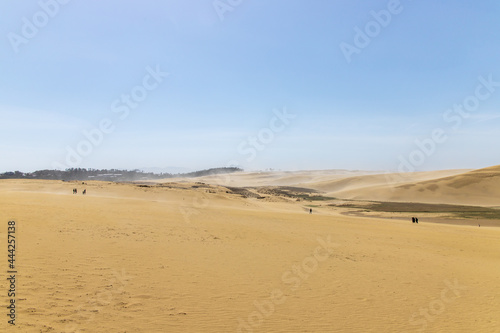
(249,166)
(184,256)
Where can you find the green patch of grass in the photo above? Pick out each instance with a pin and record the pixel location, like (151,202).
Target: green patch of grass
(312,197)
(413,207)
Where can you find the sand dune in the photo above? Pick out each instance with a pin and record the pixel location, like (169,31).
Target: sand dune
(274,178)
(477,187)
(191,257)
(377,181)
(464,187)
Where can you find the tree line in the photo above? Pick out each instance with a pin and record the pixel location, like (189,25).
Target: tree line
(109,174)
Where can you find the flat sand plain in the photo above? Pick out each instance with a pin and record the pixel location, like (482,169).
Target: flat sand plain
(190,256)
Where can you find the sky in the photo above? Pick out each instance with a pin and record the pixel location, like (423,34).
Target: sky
(260,84)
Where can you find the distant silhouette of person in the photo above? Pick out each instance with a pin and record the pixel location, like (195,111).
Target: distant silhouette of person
(416,219)
(75,191)
(310,210)
(413,220)
(84,192)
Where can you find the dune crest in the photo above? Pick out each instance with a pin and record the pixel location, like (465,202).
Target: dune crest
(190,256)
(461,187)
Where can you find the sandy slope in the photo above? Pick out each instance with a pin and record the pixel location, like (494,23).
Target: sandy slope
(274,178)
(463,187)
(476,187)
(180,259)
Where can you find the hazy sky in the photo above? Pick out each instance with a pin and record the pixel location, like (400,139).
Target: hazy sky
(283,84)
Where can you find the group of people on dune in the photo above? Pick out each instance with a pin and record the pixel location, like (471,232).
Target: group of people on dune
(75,191)
(414,219)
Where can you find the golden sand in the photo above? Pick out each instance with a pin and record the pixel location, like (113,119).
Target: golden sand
(186,257)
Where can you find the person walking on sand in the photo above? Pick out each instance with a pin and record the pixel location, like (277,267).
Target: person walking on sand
(412,220)
(416,219)
(310,210)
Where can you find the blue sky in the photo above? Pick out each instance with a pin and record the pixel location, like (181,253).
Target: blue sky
(232,67)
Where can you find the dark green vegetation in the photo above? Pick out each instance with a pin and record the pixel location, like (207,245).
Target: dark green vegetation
(313,197)
(294,193)
(109,174)
(470,212)
(243,192)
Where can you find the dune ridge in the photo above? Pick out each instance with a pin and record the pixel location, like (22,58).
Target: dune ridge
(193,256)
(462,187)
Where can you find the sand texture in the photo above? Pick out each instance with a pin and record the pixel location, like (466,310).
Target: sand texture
(191,256)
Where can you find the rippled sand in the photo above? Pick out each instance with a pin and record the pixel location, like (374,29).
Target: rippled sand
(188,257)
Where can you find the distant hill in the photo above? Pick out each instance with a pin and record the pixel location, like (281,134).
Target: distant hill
(109,174)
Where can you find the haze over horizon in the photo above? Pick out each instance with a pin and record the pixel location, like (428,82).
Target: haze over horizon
(290,85)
